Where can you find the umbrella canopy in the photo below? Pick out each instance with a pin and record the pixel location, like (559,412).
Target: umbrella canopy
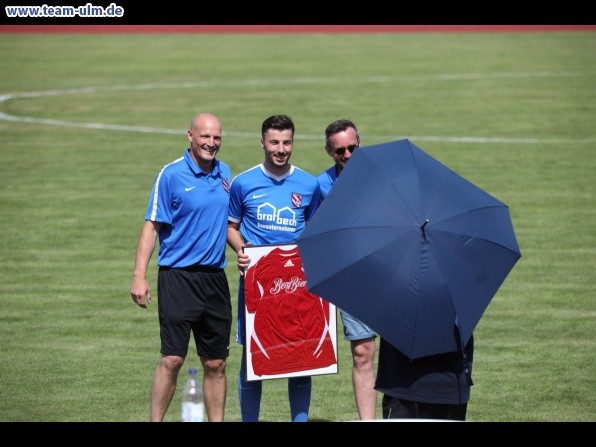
(409,247)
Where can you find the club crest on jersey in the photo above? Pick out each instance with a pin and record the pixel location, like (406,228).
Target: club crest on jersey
(296,200)
(226,185)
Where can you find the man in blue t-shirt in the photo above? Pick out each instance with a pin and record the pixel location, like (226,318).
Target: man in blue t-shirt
(188,211)
(341,139)
(270,204)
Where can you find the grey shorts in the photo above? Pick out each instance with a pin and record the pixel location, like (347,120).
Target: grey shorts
(355,329)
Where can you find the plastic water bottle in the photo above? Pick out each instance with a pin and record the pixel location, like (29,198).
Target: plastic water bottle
(193,405)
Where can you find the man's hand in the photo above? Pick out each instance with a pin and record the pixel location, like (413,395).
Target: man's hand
(140,292)
(243,261)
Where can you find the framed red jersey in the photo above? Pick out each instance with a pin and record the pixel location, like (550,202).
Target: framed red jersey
(289,331)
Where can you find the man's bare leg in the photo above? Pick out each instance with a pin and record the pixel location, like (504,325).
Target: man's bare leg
(214,388)
(164,385)
(363,377)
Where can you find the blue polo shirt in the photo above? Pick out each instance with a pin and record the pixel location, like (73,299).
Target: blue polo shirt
(271,209)
(192,208)
(326,180)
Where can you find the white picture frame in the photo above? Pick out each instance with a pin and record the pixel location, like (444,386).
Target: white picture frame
(296,339)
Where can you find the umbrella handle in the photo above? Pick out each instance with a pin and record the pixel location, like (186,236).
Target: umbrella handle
(422,228)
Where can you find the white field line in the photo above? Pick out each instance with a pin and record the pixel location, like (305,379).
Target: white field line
(264,82)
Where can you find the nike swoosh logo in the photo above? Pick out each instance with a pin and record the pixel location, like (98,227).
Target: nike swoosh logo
(255,196)
(189,189)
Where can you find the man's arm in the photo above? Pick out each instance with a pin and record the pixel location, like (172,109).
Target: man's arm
(140,291)
(236,241)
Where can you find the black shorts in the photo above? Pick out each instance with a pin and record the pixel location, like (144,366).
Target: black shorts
(395,408)
(197,300)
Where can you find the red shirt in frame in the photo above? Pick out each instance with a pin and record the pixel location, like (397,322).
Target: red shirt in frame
(291,325)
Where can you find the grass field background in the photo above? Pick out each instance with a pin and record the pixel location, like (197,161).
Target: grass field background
(87,121)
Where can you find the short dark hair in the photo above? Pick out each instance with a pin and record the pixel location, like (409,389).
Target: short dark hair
(277,122)
(339,126)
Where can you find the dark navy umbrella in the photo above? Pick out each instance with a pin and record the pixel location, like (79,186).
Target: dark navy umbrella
(409,247)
